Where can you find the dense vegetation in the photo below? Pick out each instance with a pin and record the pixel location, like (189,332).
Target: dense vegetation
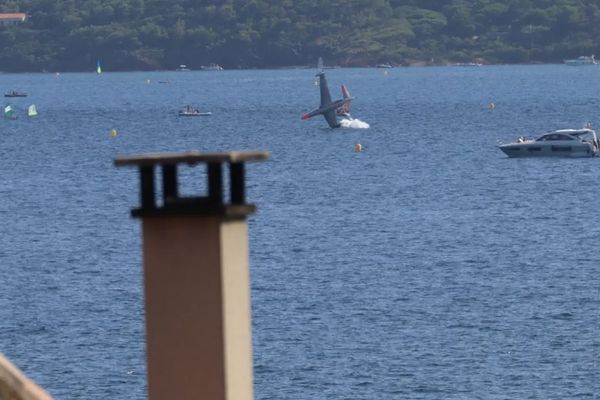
(62,35)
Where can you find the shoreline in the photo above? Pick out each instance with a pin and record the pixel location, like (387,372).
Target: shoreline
(301,67)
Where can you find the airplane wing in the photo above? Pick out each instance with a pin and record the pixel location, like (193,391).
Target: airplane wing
(311,114)
(331,119)
(325,96)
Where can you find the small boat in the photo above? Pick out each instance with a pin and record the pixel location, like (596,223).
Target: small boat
(9,113)
(560,143)
(183,68)
(583,60)
(468,64)
(14,93)
(98,67)
(384,65)
(211,67)
(189,111)
(32,111)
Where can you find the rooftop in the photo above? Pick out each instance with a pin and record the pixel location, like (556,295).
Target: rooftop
(4,16)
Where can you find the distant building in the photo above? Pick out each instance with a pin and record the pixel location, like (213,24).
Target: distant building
(12,18)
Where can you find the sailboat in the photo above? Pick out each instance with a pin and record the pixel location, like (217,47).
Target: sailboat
(9,113)
(98,68)
(32,111)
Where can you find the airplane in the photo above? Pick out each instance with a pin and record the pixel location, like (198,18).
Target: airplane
(331,109)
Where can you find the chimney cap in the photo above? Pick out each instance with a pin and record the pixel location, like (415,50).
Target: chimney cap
(189,157)
(213,203)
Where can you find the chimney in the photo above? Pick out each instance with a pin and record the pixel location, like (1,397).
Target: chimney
(196,278)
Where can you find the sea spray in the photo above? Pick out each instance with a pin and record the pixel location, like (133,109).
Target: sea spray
(354,123)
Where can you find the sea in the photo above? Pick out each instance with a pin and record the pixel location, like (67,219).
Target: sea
(426,266)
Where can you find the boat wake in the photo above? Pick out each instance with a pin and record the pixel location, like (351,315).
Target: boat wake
(354,123)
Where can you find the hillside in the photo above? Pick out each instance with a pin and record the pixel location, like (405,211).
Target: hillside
(69,35)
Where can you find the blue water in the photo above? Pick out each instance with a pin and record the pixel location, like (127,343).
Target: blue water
(429,266)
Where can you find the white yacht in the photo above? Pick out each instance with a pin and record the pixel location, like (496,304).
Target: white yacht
(583,60)
(560,143)
(211,67)
(468,64)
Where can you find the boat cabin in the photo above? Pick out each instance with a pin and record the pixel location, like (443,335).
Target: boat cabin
(554,136)
(565,134)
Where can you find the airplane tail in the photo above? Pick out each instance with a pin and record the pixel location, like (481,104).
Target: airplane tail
(346,95)
(345,92)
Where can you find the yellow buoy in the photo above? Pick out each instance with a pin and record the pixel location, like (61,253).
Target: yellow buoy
(113,133)
(358,147)
(491,106)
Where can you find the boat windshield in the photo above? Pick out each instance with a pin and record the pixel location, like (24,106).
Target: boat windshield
(554,136)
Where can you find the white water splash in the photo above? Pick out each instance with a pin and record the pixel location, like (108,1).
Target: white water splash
(354,123)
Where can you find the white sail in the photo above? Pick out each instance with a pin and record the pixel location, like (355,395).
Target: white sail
(8,111)
(32,111)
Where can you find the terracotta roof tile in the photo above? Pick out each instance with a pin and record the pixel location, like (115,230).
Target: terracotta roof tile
(12,16)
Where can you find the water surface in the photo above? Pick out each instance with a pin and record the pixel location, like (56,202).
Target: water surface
(428,266)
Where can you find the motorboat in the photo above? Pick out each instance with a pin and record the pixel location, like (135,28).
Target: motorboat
(583,60)
(211,67)
(560,143)
(183,68)
(384,65)
(468,64)
(14,93)
(195,113)
(189,111)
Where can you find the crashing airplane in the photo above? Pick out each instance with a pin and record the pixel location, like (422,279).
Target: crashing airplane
(331,109)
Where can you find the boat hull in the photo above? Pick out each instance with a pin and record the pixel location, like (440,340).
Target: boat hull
(201,114)
(522,150)
(583,60)
(578,64)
